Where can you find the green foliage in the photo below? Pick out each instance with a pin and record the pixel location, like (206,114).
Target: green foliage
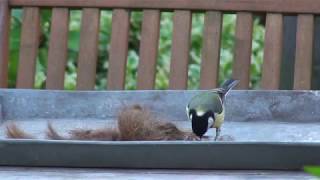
(164,53)
(14,46)
(314,170)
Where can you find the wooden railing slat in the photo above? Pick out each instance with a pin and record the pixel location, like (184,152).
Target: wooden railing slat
(180,50)
(243,44)
(4,42)
(118,49)
(30,36)
(275,6)
(58,48)
(88,51)
(304,47)
(272,52)
(211,50)
(148,49)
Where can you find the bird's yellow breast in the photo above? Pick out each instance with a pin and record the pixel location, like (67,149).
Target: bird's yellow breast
(219,119)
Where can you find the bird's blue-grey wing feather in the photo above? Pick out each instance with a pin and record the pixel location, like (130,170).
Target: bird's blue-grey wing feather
(206,101)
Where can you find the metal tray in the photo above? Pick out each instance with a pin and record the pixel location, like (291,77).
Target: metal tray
(272,130)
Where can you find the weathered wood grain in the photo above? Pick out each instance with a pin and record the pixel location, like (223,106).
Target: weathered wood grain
(29,44)
(283,6)
(304,49)
(148,49)
(118,49)
(4,42)
(58,48)
(243,45)
(272,52)
(180,50)
(88,52)
(211,50)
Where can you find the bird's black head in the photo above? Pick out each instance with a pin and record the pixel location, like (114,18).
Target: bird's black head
(201,122)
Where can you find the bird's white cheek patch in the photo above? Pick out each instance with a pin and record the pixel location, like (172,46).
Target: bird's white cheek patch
(190,116)
(187,110)
(210,122)
(200,113)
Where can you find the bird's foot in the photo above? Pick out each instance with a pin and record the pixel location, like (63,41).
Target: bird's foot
(226,138)
(218,130)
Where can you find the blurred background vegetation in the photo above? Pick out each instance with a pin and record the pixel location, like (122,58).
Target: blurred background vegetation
(163,64)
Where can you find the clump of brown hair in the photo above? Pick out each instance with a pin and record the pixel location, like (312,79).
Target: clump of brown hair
(14,132)
(103,134)
(135,123)
(53,134)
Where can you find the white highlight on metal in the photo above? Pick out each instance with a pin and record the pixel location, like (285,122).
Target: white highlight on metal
(316,93)
(210,122)
(200,113)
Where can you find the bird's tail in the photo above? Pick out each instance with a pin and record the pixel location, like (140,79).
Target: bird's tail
(227,86)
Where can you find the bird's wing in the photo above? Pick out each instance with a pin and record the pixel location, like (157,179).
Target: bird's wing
(214,103)
(207,101)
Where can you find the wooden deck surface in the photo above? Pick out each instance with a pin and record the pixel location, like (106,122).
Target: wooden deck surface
(32,173)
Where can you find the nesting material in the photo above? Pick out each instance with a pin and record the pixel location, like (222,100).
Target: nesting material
(103,134)
(135,123)
(14,132)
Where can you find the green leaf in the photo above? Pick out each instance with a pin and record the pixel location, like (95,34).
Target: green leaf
(74,38)
(314,170)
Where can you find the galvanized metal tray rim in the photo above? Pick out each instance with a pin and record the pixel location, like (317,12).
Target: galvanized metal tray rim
(133,143)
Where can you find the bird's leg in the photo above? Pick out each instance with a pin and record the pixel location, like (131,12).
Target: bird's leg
(218,130)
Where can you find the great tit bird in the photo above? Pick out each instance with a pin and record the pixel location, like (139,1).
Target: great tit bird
(206,110)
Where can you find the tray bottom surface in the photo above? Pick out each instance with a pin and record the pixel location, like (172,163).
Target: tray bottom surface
(239,131)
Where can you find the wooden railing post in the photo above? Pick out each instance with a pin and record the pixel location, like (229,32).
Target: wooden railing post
(272,52)
(303,56)
(148,49)
(243,47)
(118,49)
(29,45)
(180,49)
(58,48)
(210,63)
(88,52)
(4,42)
